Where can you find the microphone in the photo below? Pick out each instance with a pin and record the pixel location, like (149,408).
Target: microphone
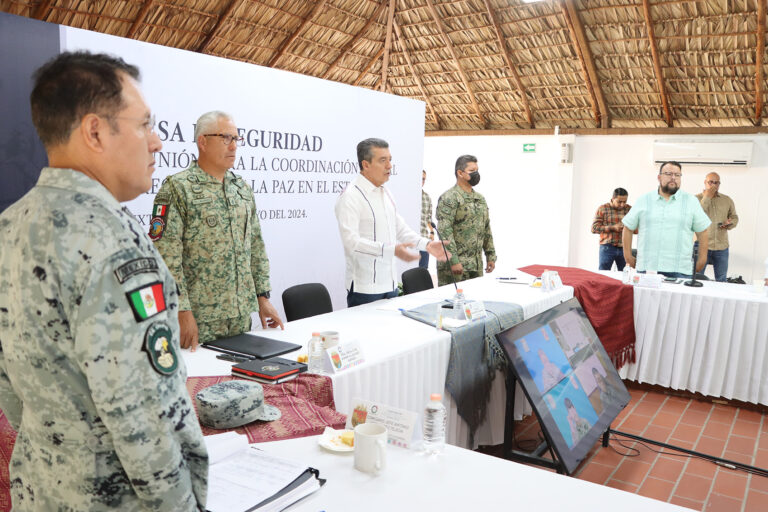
(693,282)
(447,259)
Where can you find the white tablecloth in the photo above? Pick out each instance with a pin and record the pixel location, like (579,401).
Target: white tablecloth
(457,479)
(405,360)
(711,340)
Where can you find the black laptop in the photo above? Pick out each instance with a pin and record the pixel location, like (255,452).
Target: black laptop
(251,346)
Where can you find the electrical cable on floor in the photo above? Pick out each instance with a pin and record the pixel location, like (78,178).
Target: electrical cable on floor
(735,467)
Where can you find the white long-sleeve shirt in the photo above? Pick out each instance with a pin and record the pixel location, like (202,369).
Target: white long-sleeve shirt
(370,228)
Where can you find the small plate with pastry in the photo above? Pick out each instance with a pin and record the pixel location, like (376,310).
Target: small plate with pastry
(337,440)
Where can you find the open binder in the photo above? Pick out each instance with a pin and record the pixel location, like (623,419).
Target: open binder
(243,478)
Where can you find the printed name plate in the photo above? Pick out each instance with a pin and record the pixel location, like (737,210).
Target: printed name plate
(343,356)
(399,422)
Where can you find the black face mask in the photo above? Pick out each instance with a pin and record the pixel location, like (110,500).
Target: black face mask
(474,178)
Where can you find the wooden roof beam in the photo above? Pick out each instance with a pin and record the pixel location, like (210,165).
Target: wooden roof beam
(416,76)
(140,17)
(369,66)
(219,23)
(657,63)
(351,42)
(508,60)
(43,9)
(387,45)
(581,45)
(283,47)
(441,29)
(760,53)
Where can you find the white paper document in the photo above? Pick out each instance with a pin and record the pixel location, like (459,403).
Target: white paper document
(247,478)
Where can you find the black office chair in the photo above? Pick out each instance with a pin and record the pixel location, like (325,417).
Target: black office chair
(305,300)
(416,280)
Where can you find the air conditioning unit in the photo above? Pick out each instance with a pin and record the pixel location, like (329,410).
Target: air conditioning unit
(699,152)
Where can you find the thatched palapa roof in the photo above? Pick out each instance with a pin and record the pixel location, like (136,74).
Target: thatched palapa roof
(485,66)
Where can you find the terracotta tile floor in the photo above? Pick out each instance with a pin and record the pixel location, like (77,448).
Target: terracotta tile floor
(717,429)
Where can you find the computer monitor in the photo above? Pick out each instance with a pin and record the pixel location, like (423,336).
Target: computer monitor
(568,378)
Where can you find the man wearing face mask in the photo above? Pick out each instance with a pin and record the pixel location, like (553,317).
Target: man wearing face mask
(463,219)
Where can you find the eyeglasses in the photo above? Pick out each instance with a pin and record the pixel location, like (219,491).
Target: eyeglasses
(148,122)
(225,137)
(671,174)
(713,182)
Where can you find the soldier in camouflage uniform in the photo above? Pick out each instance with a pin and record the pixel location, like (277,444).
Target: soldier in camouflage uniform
(462,218)
(90,373)
(205,225)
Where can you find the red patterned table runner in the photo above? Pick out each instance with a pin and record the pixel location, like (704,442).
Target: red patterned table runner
(306,404)
(608,304)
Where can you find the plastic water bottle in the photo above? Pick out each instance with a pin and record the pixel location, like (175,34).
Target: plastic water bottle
(614,268)
(625,278)
(316,354)
(433,424)
(458,304)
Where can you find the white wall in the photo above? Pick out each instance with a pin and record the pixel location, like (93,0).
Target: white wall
(541,212)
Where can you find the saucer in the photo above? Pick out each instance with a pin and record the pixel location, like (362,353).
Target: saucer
(330,439)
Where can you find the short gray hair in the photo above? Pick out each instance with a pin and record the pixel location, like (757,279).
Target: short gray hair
(461,163)
(365,149)
(207,121)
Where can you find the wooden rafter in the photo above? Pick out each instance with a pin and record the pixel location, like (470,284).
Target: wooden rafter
(508,60)
(443,34)
(369,66)
(760,53)
(657,63)
(416,76)
(387,45)
(351,42)
(219,23)
(581,45)
(140,17)
(42,10)
(283,47)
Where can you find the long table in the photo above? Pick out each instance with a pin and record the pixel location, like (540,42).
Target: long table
(405,360)
(457,479)
(711,340)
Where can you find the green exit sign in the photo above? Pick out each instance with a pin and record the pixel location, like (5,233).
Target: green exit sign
(529,148)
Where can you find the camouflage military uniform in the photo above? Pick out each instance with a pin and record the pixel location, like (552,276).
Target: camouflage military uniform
(462,218)
(89,369)
(210,238)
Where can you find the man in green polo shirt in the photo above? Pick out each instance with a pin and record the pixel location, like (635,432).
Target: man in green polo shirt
(666,220)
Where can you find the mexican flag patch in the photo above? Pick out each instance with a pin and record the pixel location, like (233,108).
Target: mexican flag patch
(147,301)
(159,210)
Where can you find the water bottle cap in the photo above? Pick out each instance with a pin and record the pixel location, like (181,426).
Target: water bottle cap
(316,334)
(436,397)
(460,290)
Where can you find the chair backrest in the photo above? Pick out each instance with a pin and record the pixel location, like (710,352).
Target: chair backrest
(305,300)
(416,280)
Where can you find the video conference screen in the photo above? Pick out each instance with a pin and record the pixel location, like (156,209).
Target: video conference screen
(569,379)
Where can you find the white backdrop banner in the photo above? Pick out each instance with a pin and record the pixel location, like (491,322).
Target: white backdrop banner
(299,151)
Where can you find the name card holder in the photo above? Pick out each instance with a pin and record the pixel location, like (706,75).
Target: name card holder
(343,356)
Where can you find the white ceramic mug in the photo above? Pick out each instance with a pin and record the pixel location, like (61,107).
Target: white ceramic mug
(330,339)
(370,447)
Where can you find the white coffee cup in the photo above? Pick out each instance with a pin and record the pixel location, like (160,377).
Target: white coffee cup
(330,339)
(370,447)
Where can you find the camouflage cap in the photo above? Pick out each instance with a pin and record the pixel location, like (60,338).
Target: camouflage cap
(233,404)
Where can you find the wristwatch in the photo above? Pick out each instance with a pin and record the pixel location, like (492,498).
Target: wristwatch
(263,294)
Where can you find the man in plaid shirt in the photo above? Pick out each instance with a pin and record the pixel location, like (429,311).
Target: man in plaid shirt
(608,224)
(426,220)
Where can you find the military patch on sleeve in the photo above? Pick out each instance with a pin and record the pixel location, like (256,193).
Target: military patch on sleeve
(147,301)
(157,224)
(133,267)
(156,228)
(158,344)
